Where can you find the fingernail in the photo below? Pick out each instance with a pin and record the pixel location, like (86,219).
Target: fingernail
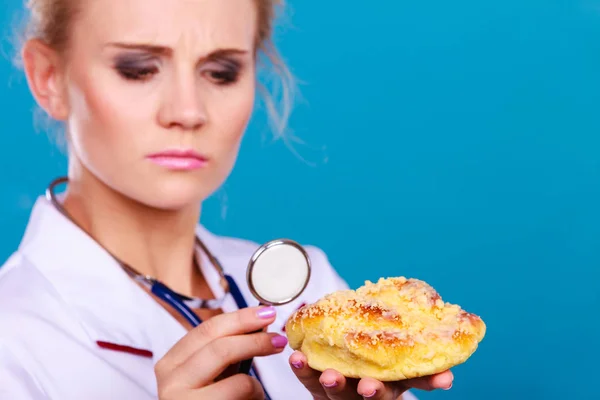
(266,312)
(366,396)
(330,384)
(449,387)
(298,364)
(279,341)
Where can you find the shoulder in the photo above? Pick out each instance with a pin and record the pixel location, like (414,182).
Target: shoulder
(15,274)
(19,279)
(17,381)
(28,302)
(28,317)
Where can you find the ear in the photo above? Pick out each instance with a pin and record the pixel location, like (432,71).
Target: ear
(45,77)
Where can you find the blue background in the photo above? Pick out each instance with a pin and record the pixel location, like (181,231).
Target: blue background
(456,142)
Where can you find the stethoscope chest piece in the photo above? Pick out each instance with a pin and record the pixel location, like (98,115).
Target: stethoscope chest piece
(278,272)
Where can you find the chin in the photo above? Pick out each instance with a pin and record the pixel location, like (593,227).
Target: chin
(176,193)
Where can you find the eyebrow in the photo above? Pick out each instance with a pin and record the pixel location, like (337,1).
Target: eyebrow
(162,50)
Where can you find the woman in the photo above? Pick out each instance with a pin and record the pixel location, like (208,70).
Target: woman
(155,96)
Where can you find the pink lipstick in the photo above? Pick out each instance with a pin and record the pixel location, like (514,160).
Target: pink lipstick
(182,160)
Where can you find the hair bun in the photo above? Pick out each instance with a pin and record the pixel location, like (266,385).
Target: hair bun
(391,330)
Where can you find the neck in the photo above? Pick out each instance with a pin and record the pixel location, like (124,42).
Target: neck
(159,243)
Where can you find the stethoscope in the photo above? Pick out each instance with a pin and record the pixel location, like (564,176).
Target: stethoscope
(277,273)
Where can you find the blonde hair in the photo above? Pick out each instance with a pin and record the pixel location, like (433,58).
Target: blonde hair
(51,20)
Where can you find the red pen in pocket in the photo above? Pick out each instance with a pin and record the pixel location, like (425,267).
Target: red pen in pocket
(125,349)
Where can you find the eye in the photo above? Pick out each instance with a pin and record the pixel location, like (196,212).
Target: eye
(224,72)
(136,67)
(137,74)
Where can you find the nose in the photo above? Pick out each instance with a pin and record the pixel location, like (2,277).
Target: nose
(182,106)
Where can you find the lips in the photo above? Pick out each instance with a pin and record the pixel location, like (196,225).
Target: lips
(179,159)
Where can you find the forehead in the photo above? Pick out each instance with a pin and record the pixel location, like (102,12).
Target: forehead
(191,23)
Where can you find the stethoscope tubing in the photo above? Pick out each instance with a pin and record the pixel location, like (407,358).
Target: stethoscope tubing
(245,365)
(173,299)
(166,294)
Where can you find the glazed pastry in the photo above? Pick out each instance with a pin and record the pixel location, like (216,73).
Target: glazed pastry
(391,330)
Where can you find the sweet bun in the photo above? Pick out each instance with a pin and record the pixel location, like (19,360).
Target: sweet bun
(391,330)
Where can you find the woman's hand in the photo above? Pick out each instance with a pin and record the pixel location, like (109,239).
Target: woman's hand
(331,385)
(194,367)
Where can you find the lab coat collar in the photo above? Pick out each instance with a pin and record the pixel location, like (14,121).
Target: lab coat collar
(109,305)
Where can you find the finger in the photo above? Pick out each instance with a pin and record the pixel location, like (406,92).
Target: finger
(438,381)
(236,387)
(230,370)
(337,387)
(206,364)
(373,389)
(243,321)
(307,376)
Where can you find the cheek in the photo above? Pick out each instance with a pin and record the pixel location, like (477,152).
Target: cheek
(231,114)
(103,122)
(113,124)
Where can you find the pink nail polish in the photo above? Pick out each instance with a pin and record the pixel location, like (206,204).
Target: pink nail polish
(367,396)
(266,312)
(330,384)
(298,364)
(449,387)
(279,341)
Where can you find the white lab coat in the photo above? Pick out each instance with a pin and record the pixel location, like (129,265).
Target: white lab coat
(62,296)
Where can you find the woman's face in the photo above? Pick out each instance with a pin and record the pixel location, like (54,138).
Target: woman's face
(159,93)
